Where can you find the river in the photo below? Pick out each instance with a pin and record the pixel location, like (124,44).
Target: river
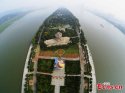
(107,45)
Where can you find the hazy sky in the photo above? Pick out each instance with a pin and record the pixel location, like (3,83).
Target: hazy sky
(114,7)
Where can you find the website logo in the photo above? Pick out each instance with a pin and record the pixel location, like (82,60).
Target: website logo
(108,86)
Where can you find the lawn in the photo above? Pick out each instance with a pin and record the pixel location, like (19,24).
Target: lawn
(6,24)
(72,51)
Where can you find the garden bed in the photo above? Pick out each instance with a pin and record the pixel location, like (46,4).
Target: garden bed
(72,67)
(70,51)
(43,84)
(30,66)
(45,65)
(72,85)
(28,87)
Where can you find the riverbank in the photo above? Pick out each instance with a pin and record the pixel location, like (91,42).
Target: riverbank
(25,68)
(93,70)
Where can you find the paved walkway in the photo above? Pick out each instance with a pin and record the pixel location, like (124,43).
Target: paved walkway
(73,75)
(57,89)
(70,59)
(35,60)
(93,71)
(82,62)
(58,79)
(52,74)
(26,69)
(40,73)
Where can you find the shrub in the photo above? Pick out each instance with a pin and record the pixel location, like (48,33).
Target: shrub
(72,85)
(45,65)
(72,67)
(43,84)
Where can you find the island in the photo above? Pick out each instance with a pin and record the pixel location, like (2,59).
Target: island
(59,59)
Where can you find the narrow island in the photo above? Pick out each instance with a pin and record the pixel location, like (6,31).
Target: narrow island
(59,60)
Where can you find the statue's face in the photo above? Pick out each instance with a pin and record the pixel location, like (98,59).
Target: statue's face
(61,62)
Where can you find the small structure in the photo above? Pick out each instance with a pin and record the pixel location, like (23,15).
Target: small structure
(58,36)
(60,52)
(59,40)
(67,26)
(31,82)
(59,63)
(62,29)
(58,75)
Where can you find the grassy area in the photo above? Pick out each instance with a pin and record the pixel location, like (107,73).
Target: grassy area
(43,84)
(72,67)
(45,65)
(6,24)
(69,51)
(72,49)
(72,85)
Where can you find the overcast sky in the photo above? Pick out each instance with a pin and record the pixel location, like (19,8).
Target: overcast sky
(114,7)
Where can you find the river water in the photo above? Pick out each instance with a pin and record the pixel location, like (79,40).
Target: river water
(107,45)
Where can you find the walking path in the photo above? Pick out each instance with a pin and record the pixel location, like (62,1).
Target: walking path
(93,71)
(57,89)
(52,74)
(40,73)
(70,59)
(25,68)
(58,79)
(73,75)
(35,60)
(82,62)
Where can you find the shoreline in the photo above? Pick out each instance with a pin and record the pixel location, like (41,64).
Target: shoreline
(25,68)
(93,70)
